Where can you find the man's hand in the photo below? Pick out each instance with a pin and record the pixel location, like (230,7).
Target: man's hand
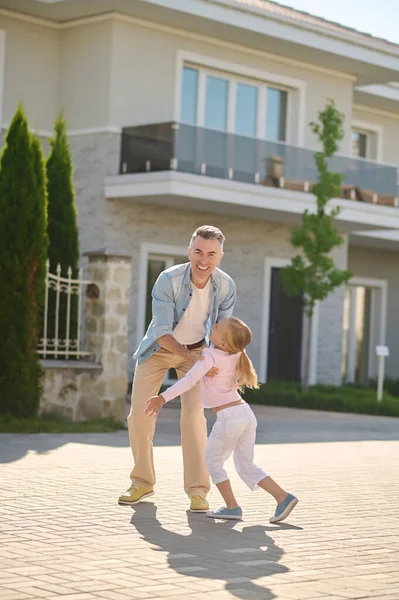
(193,357)
(212,372)
(153,405)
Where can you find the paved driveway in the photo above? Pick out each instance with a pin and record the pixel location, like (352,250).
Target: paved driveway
(62,534)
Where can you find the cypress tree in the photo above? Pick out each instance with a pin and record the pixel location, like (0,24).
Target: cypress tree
(39,220)
(22,253)
(62,225)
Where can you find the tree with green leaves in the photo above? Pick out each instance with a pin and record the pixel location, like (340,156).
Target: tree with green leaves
(62,225)
(312,271)
(23,251)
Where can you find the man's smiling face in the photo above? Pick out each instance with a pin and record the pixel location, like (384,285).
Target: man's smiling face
(204,256)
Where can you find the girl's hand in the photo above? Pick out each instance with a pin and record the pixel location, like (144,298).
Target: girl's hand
(153,405)
(212,372)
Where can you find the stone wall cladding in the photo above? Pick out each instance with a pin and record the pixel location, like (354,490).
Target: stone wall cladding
(96,387)
(106,331)
(95,156)
(329,354)
(248,242)
(64,387)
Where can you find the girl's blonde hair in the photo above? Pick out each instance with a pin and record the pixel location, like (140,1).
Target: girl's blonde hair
(237,337)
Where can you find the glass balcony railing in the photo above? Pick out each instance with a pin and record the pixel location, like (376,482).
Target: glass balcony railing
(189,149)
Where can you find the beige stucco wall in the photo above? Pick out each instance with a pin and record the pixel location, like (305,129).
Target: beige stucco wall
(85,74)
(31,71)
(51,69)
(380,264)
(117,73)
(144,77)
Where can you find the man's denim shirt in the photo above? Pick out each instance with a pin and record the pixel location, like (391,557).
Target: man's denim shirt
(171,295)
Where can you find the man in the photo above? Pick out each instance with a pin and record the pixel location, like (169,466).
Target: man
(186,301)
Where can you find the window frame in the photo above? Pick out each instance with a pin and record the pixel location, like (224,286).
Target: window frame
(203,81)
(367,134)
(369,129)
(247,76)
(233,81)
(378,324)
(287,112)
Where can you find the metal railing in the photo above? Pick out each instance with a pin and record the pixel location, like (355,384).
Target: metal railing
(190,149)
(62,318)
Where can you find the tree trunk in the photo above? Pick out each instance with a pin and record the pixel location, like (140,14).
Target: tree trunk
(305,382)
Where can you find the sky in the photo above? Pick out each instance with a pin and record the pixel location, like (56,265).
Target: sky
(379,18)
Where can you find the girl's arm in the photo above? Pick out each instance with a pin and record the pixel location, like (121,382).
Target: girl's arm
(192,377)
(153,405)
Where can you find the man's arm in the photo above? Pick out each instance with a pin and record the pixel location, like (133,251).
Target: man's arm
(227,305)
(169,343)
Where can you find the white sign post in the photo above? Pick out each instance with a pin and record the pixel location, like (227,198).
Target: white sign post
(382,352)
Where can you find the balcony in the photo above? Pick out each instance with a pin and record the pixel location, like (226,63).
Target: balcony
(193,150)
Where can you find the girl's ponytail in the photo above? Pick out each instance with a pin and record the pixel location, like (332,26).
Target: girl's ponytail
(247,376)
(237,337)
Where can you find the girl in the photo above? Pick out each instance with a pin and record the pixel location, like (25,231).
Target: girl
(235,428)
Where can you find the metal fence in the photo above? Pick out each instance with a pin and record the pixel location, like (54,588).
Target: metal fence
(62,335)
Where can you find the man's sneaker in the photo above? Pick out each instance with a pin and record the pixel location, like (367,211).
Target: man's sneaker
(226,513)
(198,504)
(284,508)
(135,494)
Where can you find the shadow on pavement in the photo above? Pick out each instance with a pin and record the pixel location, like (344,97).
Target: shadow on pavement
(275,426)
(14,446)
(278,425)
(208,551)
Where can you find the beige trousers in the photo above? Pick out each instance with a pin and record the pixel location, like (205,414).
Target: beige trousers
(147,381)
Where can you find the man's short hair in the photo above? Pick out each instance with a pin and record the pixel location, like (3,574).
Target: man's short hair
(208,232)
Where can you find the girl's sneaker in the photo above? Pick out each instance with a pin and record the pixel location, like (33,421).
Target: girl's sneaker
(226,513)
(284,508)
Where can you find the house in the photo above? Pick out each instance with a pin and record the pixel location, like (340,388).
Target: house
(190,112)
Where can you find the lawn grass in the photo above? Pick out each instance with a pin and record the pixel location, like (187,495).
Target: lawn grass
(53,423)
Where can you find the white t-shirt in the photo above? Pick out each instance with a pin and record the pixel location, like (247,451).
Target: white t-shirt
(191,328)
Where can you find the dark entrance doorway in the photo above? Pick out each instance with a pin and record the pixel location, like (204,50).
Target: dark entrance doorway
(285,333)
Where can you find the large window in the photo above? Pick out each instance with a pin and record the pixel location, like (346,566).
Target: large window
(189,96)
(246,109)
(216,103)
(276,114)
(366,143)
(364,317)
(225,103)
(359,144)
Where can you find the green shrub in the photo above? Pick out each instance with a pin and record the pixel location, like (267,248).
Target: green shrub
(322,397)
(391,386)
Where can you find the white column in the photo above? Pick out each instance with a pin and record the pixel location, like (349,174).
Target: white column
(352,336)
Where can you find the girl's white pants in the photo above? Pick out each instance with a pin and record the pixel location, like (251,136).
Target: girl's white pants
(234,432)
